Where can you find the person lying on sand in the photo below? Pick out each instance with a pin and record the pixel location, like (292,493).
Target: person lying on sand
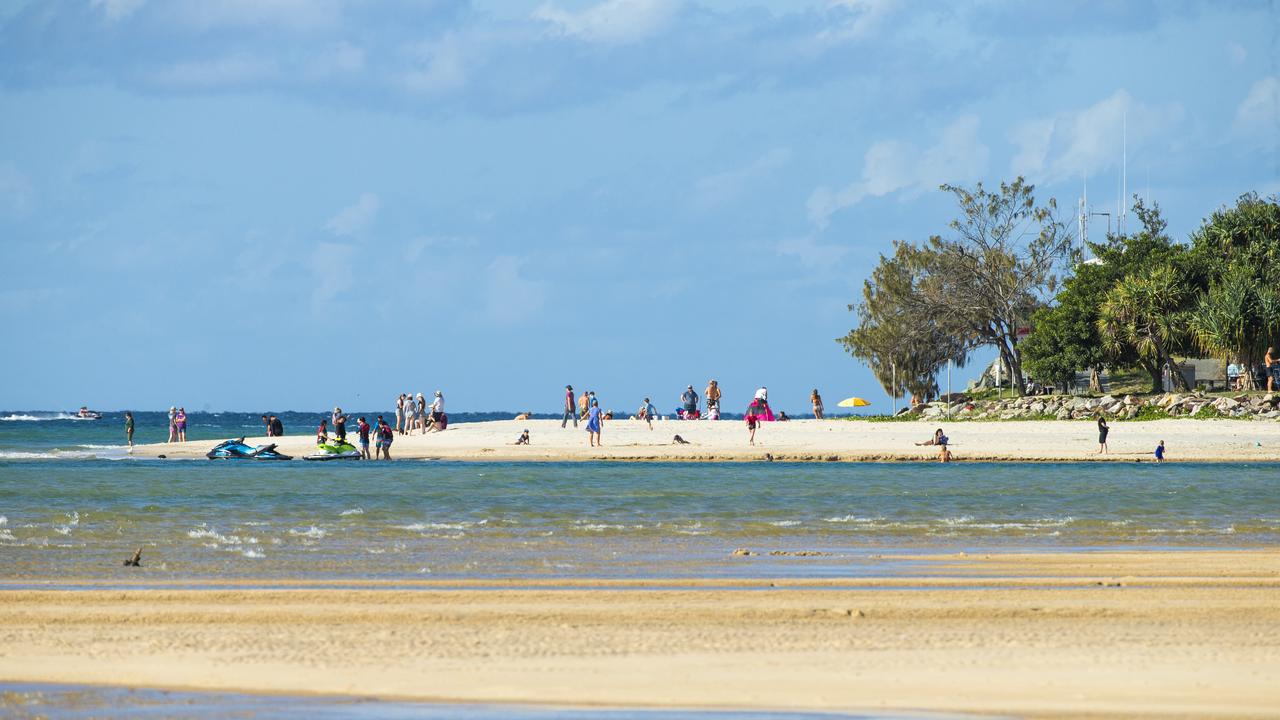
(524,415)
(523,439)
(937,439)
(677,440)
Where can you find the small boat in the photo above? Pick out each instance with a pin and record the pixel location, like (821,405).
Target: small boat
(334,450)
(238,450)
(86,414)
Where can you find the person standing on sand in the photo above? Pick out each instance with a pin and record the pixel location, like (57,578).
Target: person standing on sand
(322,432)
(584,404)
(277,427)
(594,423)
(400,412)
(180,424)
(173,426)
(1273,367)
(689,401)
(753,416)
(362,430)
(1103,429)
(816,400)
(568,409)
(647,412)
(420,414)
(1160,452)
(267,422)
(128,429)
(339,425)
(712,395)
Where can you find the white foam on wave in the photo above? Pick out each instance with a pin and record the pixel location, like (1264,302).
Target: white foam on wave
(206,532)
(786,523)
(4,520)
(352,511)
(311,532)
(42,417)
(421,527)
(251,553)
(7,536)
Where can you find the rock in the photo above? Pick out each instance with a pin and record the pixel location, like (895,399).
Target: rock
(1106,400)
(1063,414)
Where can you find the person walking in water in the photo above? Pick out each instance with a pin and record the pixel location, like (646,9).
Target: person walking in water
(569,411)
(816,399)
(382,444)
(594,422)
(128,429)
(1103,429)
(362,429)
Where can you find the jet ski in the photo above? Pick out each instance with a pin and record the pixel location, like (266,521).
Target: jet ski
(334,450)
(238,450)
(86,414)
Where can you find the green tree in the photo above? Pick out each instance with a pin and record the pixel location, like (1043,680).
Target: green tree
(1147,312)
(895,337)
(1237,318)
(1064,339)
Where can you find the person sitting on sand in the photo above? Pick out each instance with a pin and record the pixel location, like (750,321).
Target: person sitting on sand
(322,433)
(524,438)
(937,439)
(782,416)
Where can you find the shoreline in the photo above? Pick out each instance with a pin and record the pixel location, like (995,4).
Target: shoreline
(1029,634)
(811,441)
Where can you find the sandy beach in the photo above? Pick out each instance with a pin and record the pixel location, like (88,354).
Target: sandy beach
(811,440)
(1057,635)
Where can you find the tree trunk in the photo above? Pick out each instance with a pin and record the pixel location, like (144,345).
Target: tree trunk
(1095,380)
(1157,382)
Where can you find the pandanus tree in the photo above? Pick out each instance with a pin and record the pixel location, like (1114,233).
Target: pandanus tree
(1236,318)
(1147,312)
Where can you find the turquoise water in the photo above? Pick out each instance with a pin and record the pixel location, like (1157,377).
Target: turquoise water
(73,506)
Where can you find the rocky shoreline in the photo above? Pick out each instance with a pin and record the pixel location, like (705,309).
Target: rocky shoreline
(1128,407)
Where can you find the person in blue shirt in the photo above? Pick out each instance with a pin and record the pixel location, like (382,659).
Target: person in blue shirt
(1160,452)
(647,412)
(594,422)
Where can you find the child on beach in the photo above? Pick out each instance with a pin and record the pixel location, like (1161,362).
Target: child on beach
(524,438)
(1160,452)
(594,423)
(647,412)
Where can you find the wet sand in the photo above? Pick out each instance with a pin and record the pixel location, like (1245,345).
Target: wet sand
(811,440)
(1063,634)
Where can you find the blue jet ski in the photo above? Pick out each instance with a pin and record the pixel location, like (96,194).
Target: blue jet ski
(238,450)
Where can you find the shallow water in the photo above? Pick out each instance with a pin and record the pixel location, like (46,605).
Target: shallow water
(422,519)
(74,702)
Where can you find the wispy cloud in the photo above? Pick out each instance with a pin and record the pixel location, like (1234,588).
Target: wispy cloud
(235,69)
(355,220)
(1078,143)
(723,187)
(1258,117)
(611,21)
(116,10)
(890,166)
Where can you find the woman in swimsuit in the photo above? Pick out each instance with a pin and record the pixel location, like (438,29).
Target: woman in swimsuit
(816,399)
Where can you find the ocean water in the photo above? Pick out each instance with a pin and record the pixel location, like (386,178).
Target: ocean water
(74,505)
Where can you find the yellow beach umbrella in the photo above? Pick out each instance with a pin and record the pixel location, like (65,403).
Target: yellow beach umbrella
(853,402)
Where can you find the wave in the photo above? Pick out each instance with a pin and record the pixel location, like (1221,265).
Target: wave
(41,417)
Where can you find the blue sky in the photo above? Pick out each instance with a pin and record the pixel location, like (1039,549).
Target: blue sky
(238,204)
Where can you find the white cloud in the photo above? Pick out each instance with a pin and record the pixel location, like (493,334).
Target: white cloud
(720,188)
(227,71)
(1076,144)
(890,166)
(355,220)
(293,15)
(612,21)
(15,191)
(331,271)
(510,297)
(1258,117)
(115,10)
